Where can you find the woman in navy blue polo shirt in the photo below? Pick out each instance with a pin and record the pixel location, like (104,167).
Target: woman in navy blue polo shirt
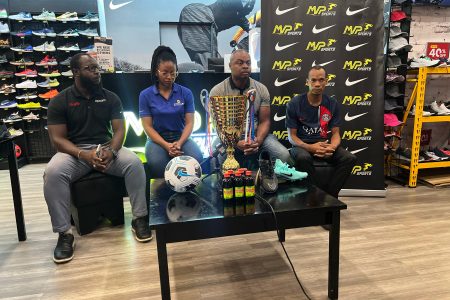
(167,113)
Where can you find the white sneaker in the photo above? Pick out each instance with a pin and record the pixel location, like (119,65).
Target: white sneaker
(422,62)
(435,107)
(67,73)
(424,113)
(444,108)
(68,16)
(31,116)
(4,28)
(45,47)
(27,84)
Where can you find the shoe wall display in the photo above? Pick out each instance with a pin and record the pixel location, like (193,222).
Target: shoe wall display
(35,52)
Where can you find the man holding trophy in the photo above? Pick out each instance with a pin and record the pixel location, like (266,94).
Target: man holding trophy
(231,117)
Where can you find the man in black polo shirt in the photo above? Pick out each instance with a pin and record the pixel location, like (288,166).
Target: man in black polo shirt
(80,118)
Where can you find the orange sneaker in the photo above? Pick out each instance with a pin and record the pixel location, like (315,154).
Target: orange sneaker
(50,94)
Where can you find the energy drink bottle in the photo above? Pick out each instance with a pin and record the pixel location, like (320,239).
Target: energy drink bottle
(249,183)
(239,194)
(227,196)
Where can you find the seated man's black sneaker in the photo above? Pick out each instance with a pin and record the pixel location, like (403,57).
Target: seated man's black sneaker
(64,248)
(266,177)
(141,229)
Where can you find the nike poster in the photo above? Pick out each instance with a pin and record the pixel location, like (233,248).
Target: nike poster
(346,38)
(137,27)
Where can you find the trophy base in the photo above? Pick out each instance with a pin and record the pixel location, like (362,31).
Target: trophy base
(230,163)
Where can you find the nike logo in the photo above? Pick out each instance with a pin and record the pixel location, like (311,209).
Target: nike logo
(351,48)
(276,118)
(282,12)
(285,174)
(353,12)
(359,150)
(350,83)
(281,48)
(322,64)
(348,118)
(183,174)
(280,83)
(113,6)
(316,31)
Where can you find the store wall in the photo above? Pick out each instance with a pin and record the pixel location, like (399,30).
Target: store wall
(430,24)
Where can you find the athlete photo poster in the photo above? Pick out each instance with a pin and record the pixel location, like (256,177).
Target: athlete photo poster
(134,26)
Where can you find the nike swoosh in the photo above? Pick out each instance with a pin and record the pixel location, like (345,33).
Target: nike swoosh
(351,13)
(316,31)
(350,83)
(276,118)
(351,48)
(113,6)
(348,118)
(182,174)
(322,64)
(281,48)
(282,12)
(358,150)
(280,83)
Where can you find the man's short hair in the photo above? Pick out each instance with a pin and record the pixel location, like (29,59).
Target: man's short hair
(318,68)
(237,51)
(75,61)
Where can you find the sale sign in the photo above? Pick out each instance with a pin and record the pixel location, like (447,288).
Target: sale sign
(437,50)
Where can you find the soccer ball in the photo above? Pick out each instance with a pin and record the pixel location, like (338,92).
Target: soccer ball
(183,207)
(183,173)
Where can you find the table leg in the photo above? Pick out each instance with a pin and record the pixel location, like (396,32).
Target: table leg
(163,267)
(17,196)
(282,233)
(333,256)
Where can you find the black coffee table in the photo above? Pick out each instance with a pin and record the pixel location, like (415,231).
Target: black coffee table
(192,216)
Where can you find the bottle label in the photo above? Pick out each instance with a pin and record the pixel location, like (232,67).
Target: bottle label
(227,193)
(239,191)
(249,191)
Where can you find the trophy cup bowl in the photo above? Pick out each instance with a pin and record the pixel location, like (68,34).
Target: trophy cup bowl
(228,114)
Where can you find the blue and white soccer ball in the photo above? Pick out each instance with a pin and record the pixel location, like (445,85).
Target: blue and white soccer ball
(183,173)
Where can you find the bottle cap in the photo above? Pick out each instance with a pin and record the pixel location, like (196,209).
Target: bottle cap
(226,175)
(248,173)
(238,174)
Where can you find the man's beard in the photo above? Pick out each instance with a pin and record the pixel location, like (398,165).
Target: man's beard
(89,85)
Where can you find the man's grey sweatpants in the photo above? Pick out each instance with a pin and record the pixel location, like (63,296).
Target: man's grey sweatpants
(64,169)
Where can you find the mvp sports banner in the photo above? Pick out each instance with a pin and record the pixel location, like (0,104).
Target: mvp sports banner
(346,38)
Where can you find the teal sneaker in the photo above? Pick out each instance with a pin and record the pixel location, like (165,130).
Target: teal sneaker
(283,170)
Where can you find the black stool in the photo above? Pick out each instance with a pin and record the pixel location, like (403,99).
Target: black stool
(97,195)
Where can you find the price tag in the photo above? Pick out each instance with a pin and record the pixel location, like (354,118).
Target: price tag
(437,50)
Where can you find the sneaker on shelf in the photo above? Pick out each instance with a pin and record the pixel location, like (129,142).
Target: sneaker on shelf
(69,47)
(425,156)
(423,62)
(405,154)
(441,154)
(68,16)
(3,14)
(31,117)
(22,33)
(45,32)
(431,155)
(64,248)
(22,48)
(266,177)
(141,230)
(48,83)
(67,73)
(14,117)
(22,16)
(88,48)
(27,73)
(438,108)
(4,28)
(4,43)
(27,84)
(6,74)
(46,47)
(89,17)
(8,104)
(446,151)
(395,78)
(50,94)
(443,108)
(7,89)
(47,61)
(66,62)
(26,96)
(69,32)
(15,132)
(283,170)
(3,59)
(45,16)
(53,73)
(92,32)
(425,113)
(22,62)
(29,105)
(4,132)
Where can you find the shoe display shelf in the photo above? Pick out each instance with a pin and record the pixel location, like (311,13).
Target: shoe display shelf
(417,98)
(44,47)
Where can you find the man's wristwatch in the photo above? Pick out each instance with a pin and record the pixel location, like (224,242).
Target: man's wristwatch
(114,152)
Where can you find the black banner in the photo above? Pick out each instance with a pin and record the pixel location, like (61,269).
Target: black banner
(346,37)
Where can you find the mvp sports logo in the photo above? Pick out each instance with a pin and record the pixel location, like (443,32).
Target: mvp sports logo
(358,65)
(362,170)
(282,100)
(358,30)
(364,100)
(280,134)
(288,29)
(322,10)
(287,65)
(357,135)
(330,79)
(321,45)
